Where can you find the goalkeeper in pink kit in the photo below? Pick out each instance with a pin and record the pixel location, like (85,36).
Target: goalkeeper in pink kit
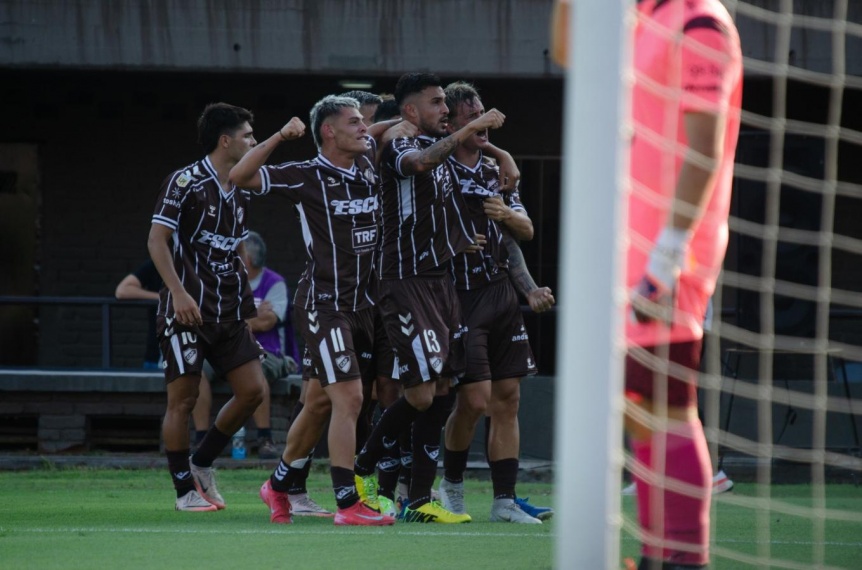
(685,111)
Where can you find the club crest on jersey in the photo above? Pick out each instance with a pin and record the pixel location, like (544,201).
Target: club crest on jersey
(190,355)
(343,363)
(436,363)
(369,175)
(240,214)
(184,179)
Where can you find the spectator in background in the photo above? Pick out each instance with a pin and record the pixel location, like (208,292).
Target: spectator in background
(270,327)
(144,283)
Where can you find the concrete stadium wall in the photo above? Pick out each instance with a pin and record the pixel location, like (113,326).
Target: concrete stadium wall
(487,37)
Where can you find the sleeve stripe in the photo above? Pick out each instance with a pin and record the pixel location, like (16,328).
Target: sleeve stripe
(165,222)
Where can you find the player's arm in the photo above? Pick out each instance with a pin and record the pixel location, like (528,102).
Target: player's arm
(517,222)
(510,176)
(246,172)
(540,299)
(654,294)
(130,288)
(433,156)
(186,309)
(376,130)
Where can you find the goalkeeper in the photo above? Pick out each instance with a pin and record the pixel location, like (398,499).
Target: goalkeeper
(685,113)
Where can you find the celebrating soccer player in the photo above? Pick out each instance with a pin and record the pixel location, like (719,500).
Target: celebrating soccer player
(336,196)
(205,300)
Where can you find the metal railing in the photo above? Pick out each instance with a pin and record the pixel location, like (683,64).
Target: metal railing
(105,303)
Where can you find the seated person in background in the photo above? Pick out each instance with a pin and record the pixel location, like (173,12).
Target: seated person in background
(144,283)
(271,299)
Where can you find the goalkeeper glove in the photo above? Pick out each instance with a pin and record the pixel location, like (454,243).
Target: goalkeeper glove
(653,297)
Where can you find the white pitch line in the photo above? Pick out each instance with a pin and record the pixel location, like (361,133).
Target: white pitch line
(286,531)
(366,532)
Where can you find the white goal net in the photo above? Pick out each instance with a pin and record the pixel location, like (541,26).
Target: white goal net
(781,383)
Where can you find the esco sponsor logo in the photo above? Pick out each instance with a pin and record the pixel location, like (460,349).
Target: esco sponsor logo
(470,188)
(354,207)
(217,241)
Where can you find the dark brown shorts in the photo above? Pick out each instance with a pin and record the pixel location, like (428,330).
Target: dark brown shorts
(643,378)
(337,341)
(224,345)
(497,343)
(422,318)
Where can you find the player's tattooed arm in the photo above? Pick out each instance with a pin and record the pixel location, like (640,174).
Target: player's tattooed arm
(540,299)
(437,153)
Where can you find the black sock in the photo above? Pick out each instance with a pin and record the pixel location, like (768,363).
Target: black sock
(178,465)
(284,477)
(405,442)
(387,471)
(264,434)
(199,436)
(300,477)
(454,464)
(426,450)
(212,445)
(344,486)
(394,420)
(504,474)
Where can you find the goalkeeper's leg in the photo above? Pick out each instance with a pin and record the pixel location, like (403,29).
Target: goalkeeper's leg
(674,493)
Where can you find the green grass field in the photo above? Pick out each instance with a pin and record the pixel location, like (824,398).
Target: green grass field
(86,518)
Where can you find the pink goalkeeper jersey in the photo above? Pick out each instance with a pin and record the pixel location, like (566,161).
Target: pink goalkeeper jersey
(687,58)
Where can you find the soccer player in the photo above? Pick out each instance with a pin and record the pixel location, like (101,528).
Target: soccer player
(198,226)
(421,233)
(336,196)
(497,345)
(368,104)
(686,112)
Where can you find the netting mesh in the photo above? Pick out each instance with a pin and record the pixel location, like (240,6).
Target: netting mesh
(780,372)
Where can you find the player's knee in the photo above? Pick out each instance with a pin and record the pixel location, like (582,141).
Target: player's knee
(183,405)
(475,405)
(421,400)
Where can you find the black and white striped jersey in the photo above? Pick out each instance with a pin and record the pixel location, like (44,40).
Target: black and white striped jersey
(339,212)
(422,226)
(208,225)
(475,183)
